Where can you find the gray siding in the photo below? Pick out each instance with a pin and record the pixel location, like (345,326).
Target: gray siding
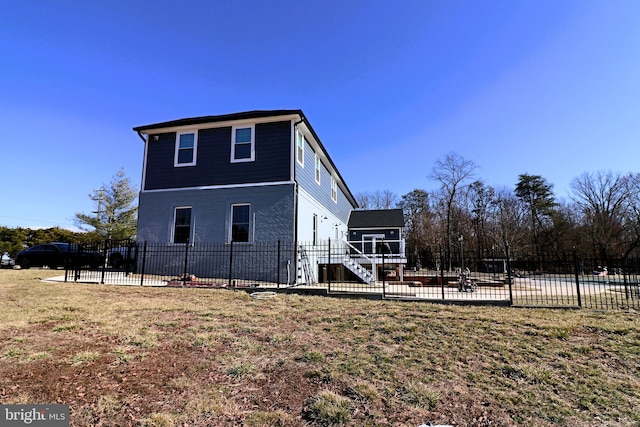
(213,165)
(273,207)
(305,177)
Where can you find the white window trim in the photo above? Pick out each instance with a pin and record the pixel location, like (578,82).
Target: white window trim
(173,226)
(252,142)
(250,231)
(301,160)
(318,169)
(334,189)
(177,148)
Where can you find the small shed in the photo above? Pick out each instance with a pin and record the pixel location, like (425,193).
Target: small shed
(374,234)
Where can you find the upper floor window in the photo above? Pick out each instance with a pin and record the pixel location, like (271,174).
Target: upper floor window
(318,168)
(299,147)
(182,224)
(240,222)
(334,189)
(242,144)
(186,148)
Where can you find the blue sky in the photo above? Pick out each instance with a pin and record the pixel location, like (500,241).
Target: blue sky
(543,87)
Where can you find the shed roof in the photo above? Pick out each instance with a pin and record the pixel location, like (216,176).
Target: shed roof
(378,218)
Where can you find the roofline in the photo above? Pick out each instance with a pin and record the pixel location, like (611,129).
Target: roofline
(379,210)
(317,138)
(248,115)
(192,121)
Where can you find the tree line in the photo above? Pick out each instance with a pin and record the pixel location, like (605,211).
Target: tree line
(114,218)
(600,220)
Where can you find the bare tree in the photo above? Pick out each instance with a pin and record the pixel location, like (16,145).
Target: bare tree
(419,230)
(481,197)
(508,218)
(452,173)
(377,200)
(633,215)
(563,235)
(388,200)
(607,202)
(364,201)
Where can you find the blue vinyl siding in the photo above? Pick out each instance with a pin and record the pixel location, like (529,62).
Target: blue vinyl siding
(305,177)
(213,164)
(392,235)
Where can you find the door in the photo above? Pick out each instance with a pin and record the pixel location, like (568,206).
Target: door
(369,242)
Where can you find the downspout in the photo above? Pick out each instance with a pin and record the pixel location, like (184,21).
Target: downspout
(295,203)
(142,178)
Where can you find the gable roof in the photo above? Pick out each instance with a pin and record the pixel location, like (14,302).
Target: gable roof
(380,218)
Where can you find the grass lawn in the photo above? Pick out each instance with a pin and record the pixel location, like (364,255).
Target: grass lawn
(124,355)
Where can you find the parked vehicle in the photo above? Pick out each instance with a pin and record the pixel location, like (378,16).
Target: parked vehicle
(123,256)
(56,254)
(6,261)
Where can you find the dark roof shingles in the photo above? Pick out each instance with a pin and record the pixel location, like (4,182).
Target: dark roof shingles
(376,218)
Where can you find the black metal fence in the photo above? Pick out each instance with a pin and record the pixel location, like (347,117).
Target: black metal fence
(541,280)
(491,277)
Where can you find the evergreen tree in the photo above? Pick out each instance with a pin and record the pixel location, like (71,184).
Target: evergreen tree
(115,216)
(538,196)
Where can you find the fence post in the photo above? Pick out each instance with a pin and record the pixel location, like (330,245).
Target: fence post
(575,264)
(144,261)
(66,263)
(104,262)
(509,280)
(278,267)
(329,266)
(230,261)
(76,264)
(384,284)
(624,277)
(186,263)
(441,271)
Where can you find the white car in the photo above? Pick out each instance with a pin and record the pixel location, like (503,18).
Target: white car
(6,261)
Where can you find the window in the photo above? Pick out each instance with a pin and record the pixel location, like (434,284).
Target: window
(240,223)
(318,168)
(186,147)
(182,225)
(242,144)
(334,190)
(299,147)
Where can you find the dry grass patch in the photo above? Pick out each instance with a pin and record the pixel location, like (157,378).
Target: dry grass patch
(201,357)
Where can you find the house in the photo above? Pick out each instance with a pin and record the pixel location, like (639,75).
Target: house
(243,180)
(256,176)
(375,238)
